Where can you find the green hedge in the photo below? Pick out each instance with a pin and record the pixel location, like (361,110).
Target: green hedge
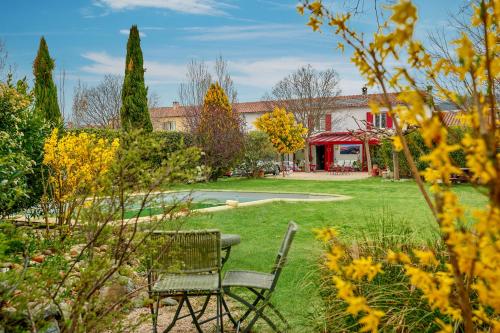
(170,141)
(382,155)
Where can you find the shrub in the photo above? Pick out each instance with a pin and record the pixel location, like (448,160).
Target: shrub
(405,309)
(84,278)
(462,285)
(22,132)
(258,151)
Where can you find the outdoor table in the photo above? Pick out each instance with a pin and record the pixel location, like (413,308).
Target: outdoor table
(227,241)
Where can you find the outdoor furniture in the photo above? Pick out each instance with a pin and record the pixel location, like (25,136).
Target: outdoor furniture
(227,241)
(262,285)
(185,264)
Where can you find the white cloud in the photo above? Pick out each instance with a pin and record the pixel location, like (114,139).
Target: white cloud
(199,7)
(262,74)
(245,32)
(156,72)
(127,32)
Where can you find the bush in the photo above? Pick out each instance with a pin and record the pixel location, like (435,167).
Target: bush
(258,150)
(168,141)
(405,309)
(22,133)
(383,154)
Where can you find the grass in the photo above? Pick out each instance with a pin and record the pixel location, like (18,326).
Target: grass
(262,227)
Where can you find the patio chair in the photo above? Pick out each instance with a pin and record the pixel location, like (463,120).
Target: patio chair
(185,264)
(262,285)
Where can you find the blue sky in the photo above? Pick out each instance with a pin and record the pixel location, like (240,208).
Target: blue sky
(262,40)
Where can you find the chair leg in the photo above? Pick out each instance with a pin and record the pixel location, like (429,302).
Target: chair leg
(193,315)
(280,316)
(204,307)
(252,307)
(224,304)
(176,316)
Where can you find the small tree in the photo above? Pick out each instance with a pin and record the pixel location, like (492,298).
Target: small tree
(220,132)
(284,133)
(134,111)
(309,95)
(46,103)
(258,152)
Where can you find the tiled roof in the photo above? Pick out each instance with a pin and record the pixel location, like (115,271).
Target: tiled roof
(349,101)
(450,118)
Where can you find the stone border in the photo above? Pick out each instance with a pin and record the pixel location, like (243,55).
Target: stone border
(329,198)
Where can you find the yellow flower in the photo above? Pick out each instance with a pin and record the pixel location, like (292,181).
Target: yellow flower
(363,267)
(371,321)
(426,258)
(325,234)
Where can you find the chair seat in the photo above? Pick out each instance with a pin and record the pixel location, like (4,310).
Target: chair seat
(186,282)
(248,279)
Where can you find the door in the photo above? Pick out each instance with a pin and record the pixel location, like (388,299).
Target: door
(320,157)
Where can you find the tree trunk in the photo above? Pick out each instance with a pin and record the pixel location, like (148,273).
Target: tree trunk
(395,163)
(283,164)
(306,157)
(368,157)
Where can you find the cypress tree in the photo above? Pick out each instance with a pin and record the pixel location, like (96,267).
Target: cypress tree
(45,90)
(134,112)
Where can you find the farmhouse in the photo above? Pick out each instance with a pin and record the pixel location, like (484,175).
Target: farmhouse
(332,142)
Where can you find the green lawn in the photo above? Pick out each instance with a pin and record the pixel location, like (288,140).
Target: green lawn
(262,227)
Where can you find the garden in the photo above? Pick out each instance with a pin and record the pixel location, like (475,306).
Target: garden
(121,228)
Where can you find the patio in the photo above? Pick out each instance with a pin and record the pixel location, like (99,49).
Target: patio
(322,175)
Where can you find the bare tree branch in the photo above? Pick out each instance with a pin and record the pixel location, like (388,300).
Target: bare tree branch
(98,106)
(192,92)
(310,95)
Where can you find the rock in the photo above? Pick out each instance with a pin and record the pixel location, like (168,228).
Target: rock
(76,249)
(141,300)
(126,282)
(51,327)
(39,258)
(48,252)
(232,203)
(169,301)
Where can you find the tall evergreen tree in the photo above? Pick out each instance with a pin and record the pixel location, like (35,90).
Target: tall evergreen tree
(45,90)
(134,112)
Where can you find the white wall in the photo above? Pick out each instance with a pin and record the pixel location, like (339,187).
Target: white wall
(250,120)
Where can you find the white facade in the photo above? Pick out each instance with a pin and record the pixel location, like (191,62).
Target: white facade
(250,118)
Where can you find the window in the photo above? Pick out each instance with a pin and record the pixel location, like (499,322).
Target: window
(169,126)
(321,126)
(380,120)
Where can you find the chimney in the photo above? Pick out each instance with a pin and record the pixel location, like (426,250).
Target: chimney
(175,104)
(364,90)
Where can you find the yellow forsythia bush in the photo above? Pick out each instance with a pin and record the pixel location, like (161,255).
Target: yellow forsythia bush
(76,162)
(465,288)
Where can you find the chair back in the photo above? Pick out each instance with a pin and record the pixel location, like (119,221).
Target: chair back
(283,251)
(186,252)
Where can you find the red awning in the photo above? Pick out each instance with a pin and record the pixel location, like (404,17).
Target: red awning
(337,138)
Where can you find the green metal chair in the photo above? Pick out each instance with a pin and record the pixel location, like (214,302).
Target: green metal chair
(262,285)
(185,264)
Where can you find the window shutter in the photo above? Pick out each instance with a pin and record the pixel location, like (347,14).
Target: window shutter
(328,122)
(310,123)
(389,121)
(369,120)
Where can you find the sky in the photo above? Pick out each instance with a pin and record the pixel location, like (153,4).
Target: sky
(262,40)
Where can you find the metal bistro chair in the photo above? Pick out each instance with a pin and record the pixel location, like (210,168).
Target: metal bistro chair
(262,285)
(184,264)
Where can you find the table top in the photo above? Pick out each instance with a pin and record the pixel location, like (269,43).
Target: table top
(228,240)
